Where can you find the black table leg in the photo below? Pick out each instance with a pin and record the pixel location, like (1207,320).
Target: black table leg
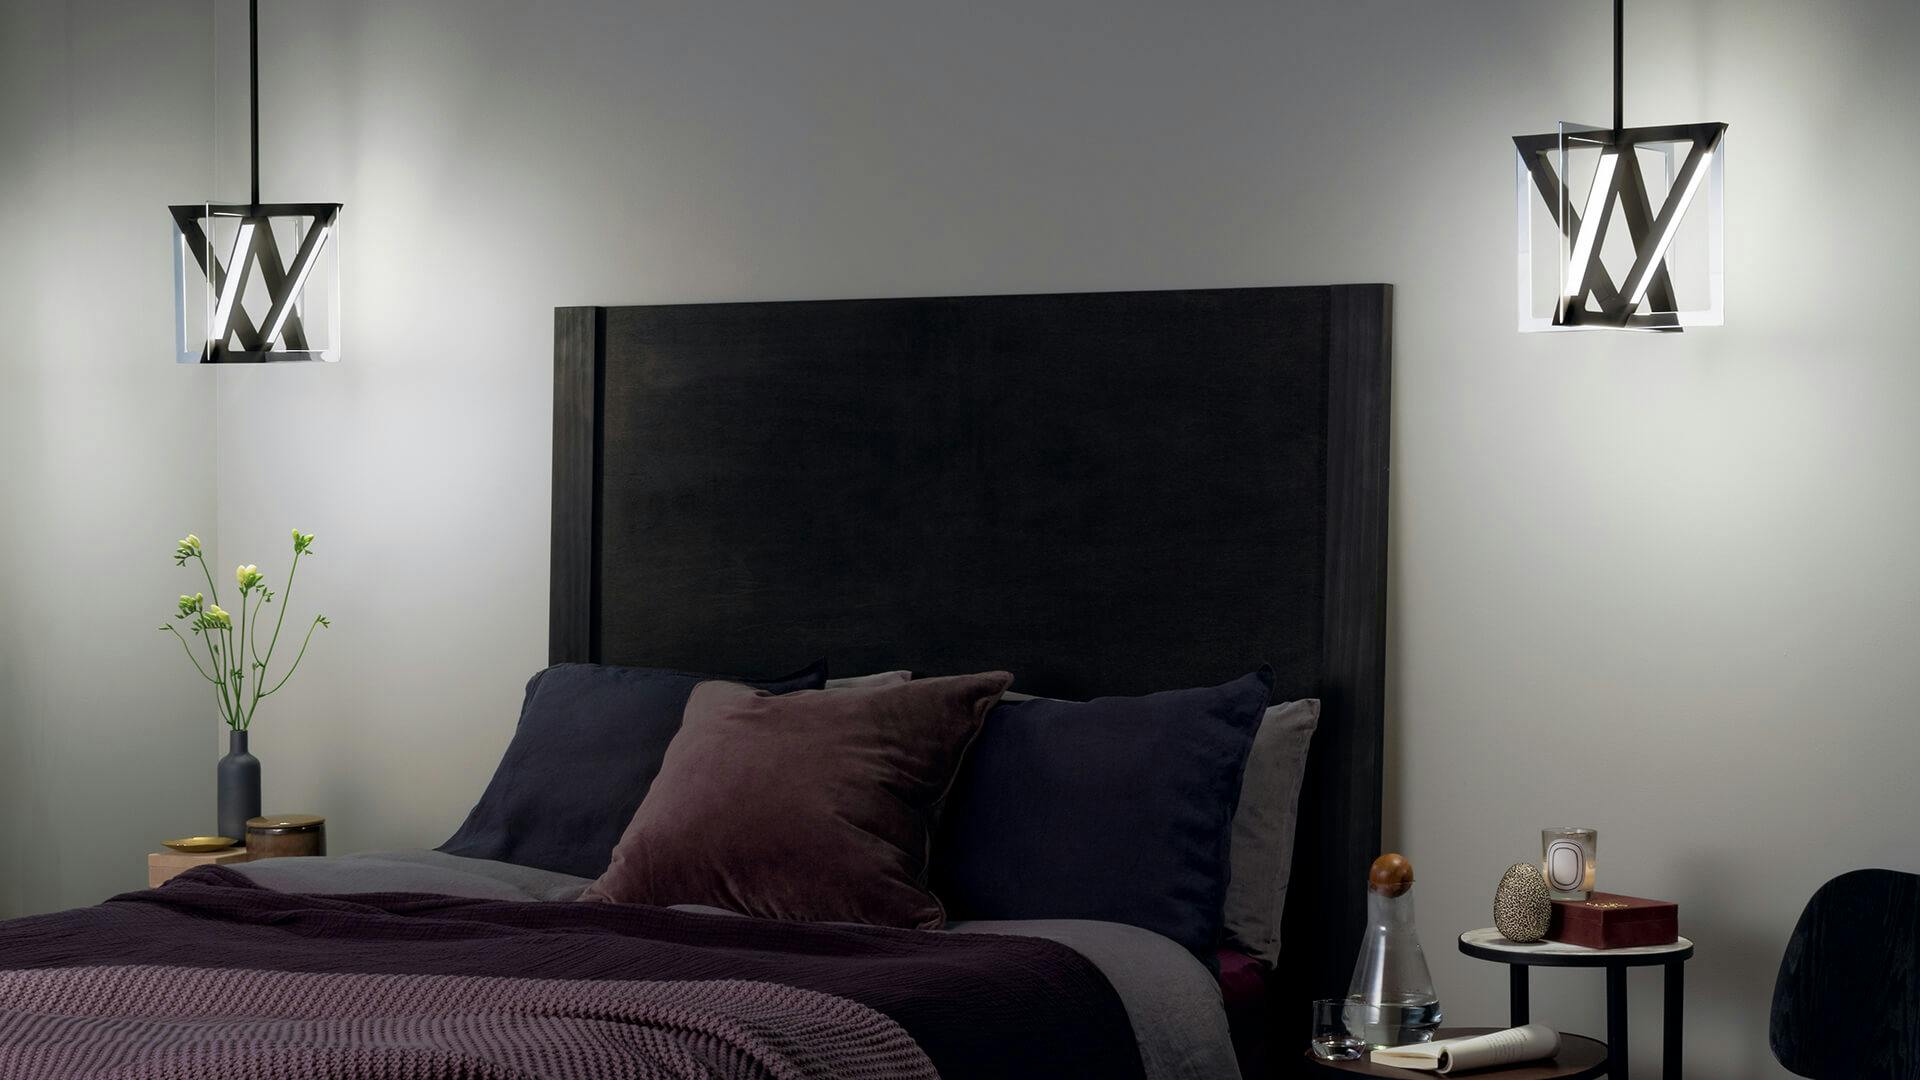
(1617,1023)
(1670,1060)
(1517,983)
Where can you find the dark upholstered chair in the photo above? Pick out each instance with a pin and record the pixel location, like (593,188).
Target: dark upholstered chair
(1847,1003)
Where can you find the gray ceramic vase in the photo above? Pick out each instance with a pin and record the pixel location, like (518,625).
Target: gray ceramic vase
(239,777)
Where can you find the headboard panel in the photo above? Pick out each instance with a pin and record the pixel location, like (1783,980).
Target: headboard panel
(1101,492)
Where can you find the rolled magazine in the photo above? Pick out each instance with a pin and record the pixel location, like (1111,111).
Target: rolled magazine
(1510,1047)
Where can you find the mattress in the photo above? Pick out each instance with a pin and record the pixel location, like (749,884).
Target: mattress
(1173,1003)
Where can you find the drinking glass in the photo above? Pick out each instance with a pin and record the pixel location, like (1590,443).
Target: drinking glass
(1331,1040)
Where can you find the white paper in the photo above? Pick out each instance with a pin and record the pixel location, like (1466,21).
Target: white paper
(1510,1047)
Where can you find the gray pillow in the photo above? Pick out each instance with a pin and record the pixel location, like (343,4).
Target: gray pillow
(1262,847)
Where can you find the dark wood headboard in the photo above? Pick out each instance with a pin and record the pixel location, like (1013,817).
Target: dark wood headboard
(1101,492)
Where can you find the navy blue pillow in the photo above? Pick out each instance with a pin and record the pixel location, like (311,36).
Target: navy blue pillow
(1118,809)
(587,749)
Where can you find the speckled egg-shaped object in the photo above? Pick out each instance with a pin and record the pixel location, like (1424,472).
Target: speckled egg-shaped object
(1521,906)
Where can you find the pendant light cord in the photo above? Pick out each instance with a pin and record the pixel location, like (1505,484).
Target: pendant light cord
(1619,65)
(252,91)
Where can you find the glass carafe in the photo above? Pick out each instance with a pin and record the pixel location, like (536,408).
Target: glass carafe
(1391,1000)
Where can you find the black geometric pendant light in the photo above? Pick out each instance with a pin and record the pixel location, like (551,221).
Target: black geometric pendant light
(256,281)
(1622,228)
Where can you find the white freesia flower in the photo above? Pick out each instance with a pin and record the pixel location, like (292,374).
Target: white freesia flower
(237,667)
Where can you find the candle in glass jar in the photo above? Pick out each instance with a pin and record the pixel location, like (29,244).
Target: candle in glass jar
(1567,859)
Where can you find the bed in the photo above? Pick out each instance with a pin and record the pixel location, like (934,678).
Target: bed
(1101,493)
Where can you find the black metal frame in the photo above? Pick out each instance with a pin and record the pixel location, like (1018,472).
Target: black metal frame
(1629,186)
(1643,224)
(1674,1019)
(276,275)
(264,250)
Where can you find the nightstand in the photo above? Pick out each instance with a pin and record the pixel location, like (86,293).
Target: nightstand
(162,865)
(1488,944)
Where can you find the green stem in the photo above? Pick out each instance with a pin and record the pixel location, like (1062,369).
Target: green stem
(233,664)
(253,639)
(207,640)
(315,625)
(189,649)
(216,655)
(212,590)
(213,661)
(229,694)
(286,600)
(240,654)
(259,665)
(259,669)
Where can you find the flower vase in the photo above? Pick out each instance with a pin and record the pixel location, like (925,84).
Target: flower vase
(239,788)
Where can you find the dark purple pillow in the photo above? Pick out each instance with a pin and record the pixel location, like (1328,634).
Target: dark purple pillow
(588,746)
(1118,809)
(817,805)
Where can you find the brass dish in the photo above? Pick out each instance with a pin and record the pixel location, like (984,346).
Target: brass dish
(200,843)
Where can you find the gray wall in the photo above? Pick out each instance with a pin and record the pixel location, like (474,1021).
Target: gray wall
(106,451)
(1676,565)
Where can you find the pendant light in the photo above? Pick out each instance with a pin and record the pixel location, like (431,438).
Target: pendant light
(238,298)
(1641,245)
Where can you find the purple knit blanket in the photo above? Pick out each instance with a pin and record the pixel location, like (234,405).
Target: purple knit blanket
(193,1023)
(977,1005)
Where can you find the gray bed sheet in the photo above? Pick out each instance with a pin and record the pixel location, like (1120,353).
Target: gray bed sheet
(1172,1000)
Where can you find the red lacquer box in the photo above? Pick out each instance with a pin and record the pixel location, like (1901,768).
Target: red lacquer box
(1612,921)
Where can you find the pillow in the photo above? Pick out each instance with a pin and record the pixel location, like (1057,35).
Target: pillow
(1260,854)
(816,806)
(1117,809)
(588,745)
(884,678)
(1263,828)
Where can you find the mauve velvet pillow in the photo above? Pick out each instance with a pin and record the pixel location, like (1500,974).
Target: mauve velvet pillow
(813,805)
(588,746)
(1118,809)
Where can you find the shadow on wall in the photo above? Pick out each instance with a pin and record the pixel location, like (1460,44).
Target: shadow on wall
(1746,957)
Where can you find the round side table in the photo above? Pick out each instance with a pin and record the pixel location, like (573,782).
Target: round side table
(1487,944)
(1580,1058)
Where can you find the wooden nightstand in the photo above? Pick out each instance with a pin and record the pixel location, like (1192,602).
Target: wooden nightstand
(162,865)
